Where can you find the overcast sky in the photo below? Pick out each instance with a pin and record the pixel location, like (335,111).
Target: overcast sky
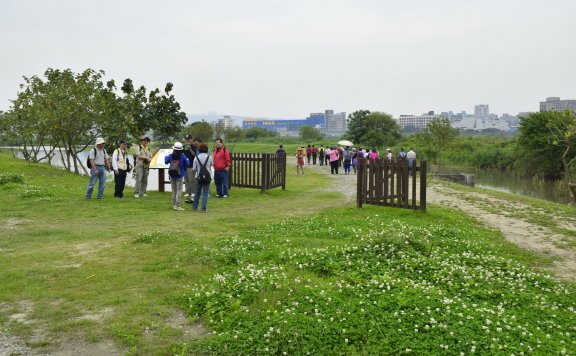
(286,59)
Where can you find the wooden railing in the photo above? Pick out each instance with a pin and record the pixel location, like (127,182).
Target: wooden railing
(381,182)
(258,170)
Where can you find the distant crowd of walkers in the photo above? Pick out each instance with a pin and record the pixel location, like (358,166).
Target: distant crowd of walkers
(344,156)
(190,165)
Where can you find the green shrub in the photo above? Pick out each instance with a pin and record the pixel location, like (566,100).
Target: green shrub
(6,178)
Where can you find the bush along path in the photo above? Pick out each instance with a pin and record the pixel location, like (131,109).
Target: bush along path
(379,281)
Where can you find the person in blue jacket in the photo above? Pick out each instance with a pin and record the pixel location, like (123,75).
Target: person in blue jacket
(177,157)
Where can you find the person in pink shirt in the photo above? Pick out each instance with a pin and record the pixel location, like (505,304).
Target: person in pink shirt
(334,157)
(373,155)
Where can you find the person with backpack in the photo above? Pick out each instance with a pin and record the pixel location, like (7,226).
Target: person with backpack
(321,155)
(99,164)
(401,155)
(222,164)
(347,157)
(191,150)
(202,166)
(178,162)
(121,167)
(308,153)
(314,151)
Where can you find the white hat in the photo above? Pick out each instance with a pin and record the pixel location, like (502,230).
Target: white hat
(177,146)
(99,140)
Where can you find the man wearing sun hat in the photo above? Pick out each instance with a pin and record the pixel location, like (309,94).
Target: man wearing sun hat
(99,164)
(142,167)
(177,157)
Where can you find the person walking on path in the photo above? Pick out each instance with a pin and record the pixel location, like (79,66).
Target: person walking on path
(321,155)
(178,158)
(347,156)
(314,151)
(190,150)
(308,153)
(334,157)
(99,164)
(142,167)
(202,160)
(401,155)
(280,150)
(222,164)
(411,157)
(120,165)
(300,160)
(356,155)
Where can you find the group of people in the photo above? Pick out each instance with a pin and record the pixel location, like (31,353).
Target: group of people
(188,164)
(346,157)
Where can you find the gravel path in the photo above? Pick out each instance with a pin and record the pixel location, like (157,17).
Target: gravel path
(12,345)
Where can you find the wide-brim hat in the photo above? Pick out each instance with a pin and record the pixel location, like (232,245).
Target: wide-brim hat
(144,138)
(99,140)
(177,146)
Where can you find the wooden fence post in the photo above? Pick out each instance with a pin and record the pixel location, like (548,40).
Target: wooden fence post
(264,181)
(423,172)
(283,165)
(359,182)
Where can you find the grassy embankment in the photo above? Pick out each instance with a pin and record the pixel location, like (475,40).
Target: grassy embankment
(274,272)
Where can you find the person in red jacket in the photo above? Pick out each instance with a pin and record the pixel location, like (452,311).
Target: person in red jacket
(222,163)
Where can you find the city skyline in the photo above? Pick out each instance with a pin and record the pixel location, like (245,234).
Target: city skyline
(285,59)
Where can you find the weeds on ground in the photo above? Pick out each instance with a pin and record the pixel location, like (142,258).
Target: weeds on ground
(371,282)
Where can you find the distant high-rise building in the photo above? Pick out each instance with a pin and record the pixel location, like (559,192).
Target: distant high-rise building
(415,123)
(335,124)
(481,110)
(227,122)
(555,104)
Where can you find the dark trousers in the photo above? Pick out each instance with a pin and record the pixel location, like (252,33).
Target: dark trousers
(334,167)
(308,156)
(314,159)
(321,160)
(221,182)
(119,183)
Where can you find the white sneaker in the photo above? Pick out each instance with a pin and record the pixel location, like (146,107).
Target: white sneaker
(178,208)
(144,195)
(136,196)
(186,195)
(224,196)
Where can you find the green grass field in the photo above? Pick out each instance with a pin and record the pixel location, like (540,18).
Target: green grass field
(294,271)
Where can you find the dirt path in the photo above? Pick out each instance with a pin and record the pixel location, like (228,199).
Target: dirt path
(529,227)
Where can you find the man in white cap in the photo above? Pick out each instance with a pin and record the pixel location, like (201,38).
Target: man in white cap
(99,164)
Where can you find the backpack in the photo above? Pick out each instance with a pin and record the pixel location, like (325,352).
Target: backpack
(88,158)
(174,168)
(348,155)
(204,176)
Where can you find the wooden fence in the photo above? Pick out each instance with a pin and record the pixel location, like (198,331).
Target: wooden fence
(381,182)
(258,170)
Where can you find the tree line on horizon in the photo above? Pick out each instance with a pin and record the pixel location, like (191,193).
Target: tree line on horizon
(69,110)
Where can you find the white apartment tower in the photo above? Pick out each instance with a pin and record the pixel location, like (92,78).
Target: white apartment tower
(481,110)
